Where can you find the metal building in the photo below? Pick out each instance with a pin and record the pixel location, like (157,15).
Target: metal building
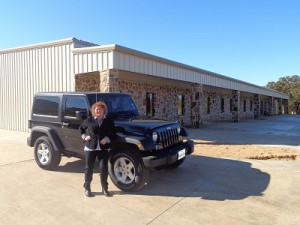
(53,66)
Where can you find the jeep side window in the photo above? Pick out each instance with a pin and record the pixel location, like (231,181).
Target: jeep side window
(74,104)
(46,105)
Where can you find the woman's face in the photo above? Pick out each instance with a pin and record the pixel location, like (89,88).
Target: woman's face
(99,112)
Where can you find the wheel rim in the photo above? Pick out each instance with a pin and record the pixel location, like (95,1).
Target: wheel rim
(43,153)
(124,170)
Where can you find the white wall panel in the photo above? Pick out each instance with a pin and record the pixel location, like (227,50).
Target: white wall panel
(96,61)
(26,71)
(100,61)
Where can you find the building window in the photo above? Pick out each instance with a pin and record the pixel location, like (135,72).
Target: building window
(231,105)
(208,105)
(244,105)
(251,105)
(222,105)
(150,104)
(180,105)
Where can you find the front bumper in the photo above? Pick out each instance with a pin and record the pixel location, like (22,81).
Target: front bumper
(168,156)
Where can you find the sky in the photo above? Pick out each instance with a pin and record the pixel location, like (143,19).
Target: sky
(256,41)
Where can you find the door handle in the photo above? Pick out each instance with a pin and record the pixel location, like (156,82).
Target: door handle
(65,124)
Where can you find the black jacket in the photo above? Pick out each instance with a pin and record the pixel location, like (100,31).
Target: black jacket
(90,127)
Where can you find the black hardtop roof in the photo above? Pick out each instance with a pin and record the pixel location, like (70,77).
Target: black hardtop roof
(79,93)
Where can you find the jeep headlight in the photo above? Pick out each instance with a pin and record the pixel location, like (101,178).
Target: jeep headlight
(154,136)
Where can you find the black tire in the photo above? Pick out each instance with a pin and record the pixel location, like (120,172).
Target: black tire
(176,164)
(44,154)
(127,171)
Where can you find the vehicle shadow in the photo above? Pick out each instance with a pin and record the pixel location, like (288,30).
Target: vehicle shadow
(72,165)
(205,177)
(209,178)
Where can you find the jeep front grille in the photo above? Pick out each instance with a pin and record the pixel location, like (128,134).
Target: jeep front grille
(168,137)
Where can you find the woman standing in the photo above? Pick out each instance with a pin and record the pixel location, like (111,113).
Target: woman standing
(97,131)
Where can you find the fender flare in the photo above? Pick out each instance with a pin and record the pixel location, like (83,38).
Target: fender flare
(50,133)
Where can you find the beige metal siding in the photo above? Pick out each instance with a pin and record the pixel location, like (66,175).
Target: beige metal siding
(89,62)
(28,71)
(168,69)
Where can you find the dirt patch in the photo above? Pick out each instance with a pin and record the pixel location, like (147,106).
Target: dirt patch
(237,151)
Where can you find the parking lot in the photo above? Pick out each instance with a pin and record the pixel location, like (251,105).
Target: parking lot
(203,190)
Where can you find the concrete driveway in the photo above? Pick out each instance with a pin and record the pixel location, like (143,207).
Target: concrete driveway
(281,130)
(203,190)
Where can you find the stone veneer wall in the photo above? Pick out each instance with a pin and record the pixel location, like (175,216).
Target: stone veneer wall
(248,113)
(165,99)
(270,110)
(195,99)
(215,105)
(87,82)
(197,108)
(236,107)
(109,81)
(256,106)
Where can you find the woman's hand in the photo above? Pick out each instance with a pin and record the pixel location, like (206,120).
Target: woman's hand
(87,138)
(104,141)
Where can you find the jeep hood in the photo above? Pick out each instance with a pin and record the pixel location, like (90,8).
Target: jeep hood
(143,126)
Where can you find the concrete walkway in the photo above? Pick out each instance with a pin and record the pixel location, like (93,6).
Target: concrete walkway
(281,131)
(203,190)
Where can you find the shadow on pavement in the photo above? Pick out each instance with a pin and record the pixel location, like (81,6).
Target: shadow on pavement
(76,166)
(209,178)
(205,177)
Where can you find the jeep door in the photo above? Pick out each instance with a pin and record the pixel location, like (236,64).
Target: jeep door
(70,124)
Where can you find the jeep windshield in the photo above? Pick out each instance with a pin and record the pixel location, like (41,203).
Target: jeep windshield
(119,105)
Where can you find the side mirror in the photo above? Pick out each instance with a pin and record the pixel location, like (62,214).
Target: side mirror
(81,115)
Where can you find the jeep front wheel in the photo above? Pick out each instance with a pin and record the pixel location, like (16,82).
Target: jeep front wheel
(127,171)
(44,154)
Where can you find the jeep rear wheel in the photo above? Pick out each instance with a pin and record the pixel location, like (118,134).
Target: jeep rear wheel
(127,171)
(44,154)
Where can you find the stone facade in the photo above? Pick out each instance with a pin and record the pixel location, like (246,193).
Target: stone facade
(235,105)
(197,108)
(216,104)
(256,106)
(201,103)
(165,99)
(246,110)
(109,81)
(87,82)
(270,106)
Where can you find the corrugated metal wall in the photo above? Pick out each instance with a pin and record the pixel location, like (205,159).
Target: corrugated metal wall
(89,62)
(30,70)
(143,65)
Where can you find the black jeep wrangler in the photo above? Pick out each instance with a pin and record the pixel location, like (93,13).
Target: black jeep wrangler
(142,142)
